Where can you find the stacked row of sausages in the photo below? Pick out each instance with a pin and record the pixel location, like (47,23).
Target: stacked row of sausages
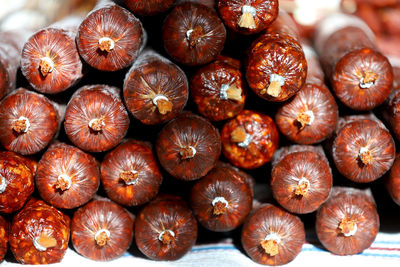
(68,145)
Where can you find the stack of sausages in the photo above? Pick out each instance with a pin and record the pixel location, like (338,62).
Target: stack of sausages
(147,119)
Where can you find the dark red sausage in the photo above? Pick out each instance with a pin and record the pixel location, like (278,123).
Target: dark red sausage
(29,121)
(218,89)
(363,149)
(10,56)
(155,89)
(193,34)
(96,119)
(102,230)
(4,230)
(392,112)
(39,234)
(248,16)
(312,114)
(393,181)
(148,7)
(16,181)
(130,174)
(276,66)
(67,177)
(188,147)
(209,3)
(110,38)
(222,199)
(50,60)
(272,236)
(165,228)
(348,222)
(391,108)
(361,77)
(301,178)
(250,139)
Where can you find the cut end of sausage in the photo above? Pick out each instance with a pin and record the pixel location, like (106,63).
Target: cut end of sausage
(46,66)
(271,244)
(163,104)
(302,187)
(97,124)
(231,92)
(348,227)
(102,237)
(129,177)
(247,18)
(187,152)
(106,44)
(305,118)
(368,80)
(238,135)
(194,35)
(166,237)
(220,205)
(365,156)
(21,125)
(43,242)
(274,89)
(63,182)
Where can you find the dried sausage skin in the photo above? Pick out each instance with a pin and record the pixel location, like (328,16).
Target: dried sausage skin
(248,16)
(193,34)
(312,114)
(218,89)
(361,77)
(155,89)
(110,38)
(348,222)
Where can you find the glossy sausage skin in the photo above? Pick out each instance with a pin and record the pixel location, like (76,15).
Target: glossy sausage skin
(361,77)
(261,14)
(393,181)
(348,222)
(218,89)
(10,56)
(391,109)
(276,66)
(16,181)
(39,234)
(193,34)
(209,3)
(250,139)
(4,229)
(155,89)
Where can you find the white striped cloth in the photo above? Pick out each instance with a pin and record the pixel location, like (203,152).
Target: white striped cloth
(385,250)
